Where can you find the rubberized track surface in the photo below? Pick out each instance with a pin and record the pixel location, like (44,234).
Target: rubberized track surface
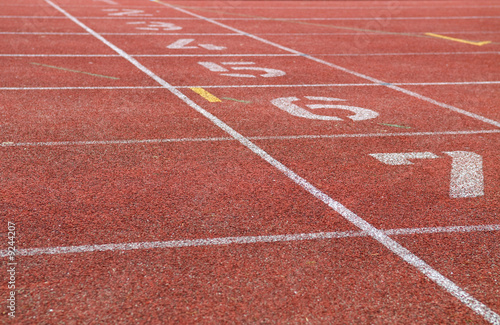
(249,162)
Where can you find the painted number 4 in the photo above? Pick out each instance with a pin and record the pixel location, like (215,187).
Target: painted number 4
(466,169)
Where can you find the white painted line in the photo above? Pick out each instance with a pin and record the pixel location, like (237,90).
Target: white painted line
(215,55)
(43,33)
(266,86)
(62,55)
(223,241)
(236,34)
(357,18)
(350,216)
(409,54)
(240,55)
(173,34)
(277,137)
(371,33)
(98,18)
(447,83)
(258,18)
(248,55)
(240,7)
(80,88)
(353,85)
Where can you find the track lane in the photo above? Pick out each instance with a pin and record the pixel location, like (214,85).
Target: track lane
(396,248)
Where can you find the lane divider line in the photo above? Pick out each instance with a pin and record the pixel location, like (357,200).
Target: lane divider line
(350,216)
(71,70)
(7,144)
(244,240)
(205,94)
(458,39)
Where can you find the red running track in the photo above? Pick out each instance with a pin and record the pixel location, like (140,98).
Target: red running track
(284,162)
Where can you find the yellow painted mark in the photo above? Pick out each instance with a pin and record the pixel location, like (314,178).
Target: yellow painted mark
(70,70)
(205,94)
(458,39)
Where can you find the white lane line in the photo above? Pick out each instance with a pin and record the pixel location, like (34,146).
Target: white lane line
(80,88)
(223,241)
(389,6)
(372,33)
(62,55)
(215,55)
(373,232)
(236,34)
(337,67)
(359,18)
(43,33)
(411,54)
(284,137)
(353,85)
(239,6)
(277,137)
(148,55)
(258,18)
(265,86)
(103,18)
(251,54)
(127,34)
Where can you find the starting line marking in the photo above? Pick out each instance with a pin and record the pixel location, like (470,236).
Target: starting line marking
(205,94)
(458,39)
(244,240)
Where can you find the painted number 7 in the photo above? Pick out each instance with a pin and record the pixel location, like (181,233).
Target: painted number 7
(466,169)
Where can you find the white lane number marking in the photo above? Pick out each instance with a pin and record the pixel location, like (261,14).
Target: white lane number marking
(238,66)
(182,44)
(154,26)
(287,105)
(466,178)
